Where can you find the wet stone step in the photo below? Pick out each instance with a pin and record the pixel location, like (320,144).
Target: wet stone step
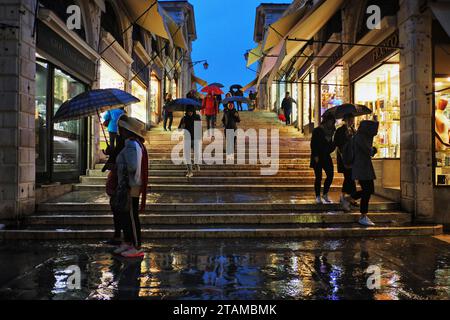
(335,231)
(277,218)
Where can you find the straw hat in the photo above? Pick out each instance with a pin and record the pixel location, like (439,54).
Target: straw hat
(133,125)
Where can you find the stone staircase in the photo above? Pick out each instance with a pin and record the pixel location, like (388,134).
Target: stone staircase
(220,201)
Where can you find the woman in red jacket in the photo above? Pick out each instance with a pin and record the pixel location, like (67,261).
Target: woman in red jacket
(210,109)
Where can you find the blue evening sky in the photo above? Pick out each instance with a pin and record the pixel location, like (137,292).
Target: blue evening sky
(224,32)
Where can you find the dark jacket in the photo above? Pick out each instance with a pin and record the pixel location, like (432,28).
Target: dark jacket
(362,168)
(230,118)
(341,137)
(188,122)
(321,147)
(286,105)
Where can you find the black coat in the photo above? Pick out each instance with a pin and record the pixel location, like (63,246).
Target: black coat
(188,122)
(341,137)
(230,118)
(286,105)
(321,147)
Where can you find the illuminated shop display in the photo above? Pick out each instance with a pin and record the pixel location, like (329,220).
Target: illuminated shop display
(380,91)
(309,98)
(442,130)
(139,110)
(332,89)
(155,89)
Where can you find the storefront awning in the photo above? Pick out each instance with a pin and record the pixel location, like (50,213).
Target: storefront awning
(254,55)
(271,59)
(251,84)
(441,11)
(277,30)
(201,82)
(152,21)
(176,32)
(309,26)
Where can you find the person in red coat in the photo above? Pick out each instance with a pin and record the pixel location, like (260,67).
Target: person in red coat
(210,109)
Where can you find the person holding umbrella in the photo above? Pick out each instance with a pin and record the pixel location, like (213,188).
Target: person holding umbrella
(321,148)
(342,137)
(188,123)
(210,110)
(132,174)
(167,112)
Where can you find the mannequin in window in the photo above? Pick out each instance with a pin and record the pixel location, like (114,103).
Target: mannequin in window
(442,126)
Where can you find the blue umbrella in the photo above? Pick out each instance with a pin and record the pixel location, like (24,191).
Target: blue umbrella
(93,102)
(182,104)
(236,99)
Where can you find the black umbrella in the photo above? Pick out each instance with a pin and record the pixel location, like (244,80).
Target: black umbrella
(182,104)
(217,84)
(236,99)
(236,86)
(348,108)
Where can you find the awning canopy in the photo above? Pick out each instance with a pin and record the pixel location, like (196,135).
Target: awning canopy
(248,86)
(271,59)
(201,82)
(152,21)
(277,30)
(254,55)
(441,11)
(309,26)
(176,32)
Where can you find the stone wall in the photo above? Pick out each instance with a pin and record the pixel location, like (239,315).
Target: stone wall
(17,137)
(416,110)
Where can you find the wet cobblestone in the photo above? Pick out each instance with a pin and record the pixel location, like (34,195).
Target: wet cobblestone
(411,268)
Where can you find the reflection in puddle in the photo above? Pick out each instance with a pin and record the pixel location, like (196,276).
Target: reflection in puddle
(197,270)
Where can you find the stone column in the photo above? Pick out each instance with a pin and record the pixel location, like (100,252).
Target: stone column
(17,109)
(416,110)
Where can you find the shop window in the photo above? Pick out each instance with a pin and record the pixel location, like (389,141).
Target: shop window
(155,89)
(309,99)
(60,9)
(42,72)
(332,89)
(139,110)
(66,135)
(388,8)
(441,105)
(380,91)
(111,23)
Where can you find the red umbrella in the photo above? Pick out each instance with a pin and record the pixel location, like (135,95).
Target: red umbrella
(212,90)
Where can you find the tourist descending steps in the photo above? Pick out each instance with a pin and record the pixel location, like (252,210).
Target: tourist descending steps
(342,137)
(132,173)
(362,169)
(210,109)
(188,123)
(230,120)
(168,114)
(321,148)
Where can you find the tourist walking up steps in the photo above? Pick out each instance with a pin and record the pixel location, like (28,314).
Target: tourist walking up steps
(286,106)
(167,113)
(321,148)
(362,169)
(132,174)
(110,120)
(188,123)
(342,137)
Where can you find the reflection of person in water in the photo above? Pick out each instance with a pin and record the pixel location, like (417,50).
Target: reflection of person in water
(442,126)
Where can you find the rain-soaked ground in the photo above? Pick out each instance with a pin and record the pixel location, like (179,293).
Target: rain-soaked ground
(411,268)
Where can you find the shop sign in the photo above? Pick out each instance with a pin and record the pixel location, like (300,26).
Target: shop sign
(375,57)
(59,49)
(329,64)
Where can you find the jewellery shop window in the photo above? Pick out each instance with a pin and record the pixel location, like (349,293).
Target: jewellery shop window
(380,91)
